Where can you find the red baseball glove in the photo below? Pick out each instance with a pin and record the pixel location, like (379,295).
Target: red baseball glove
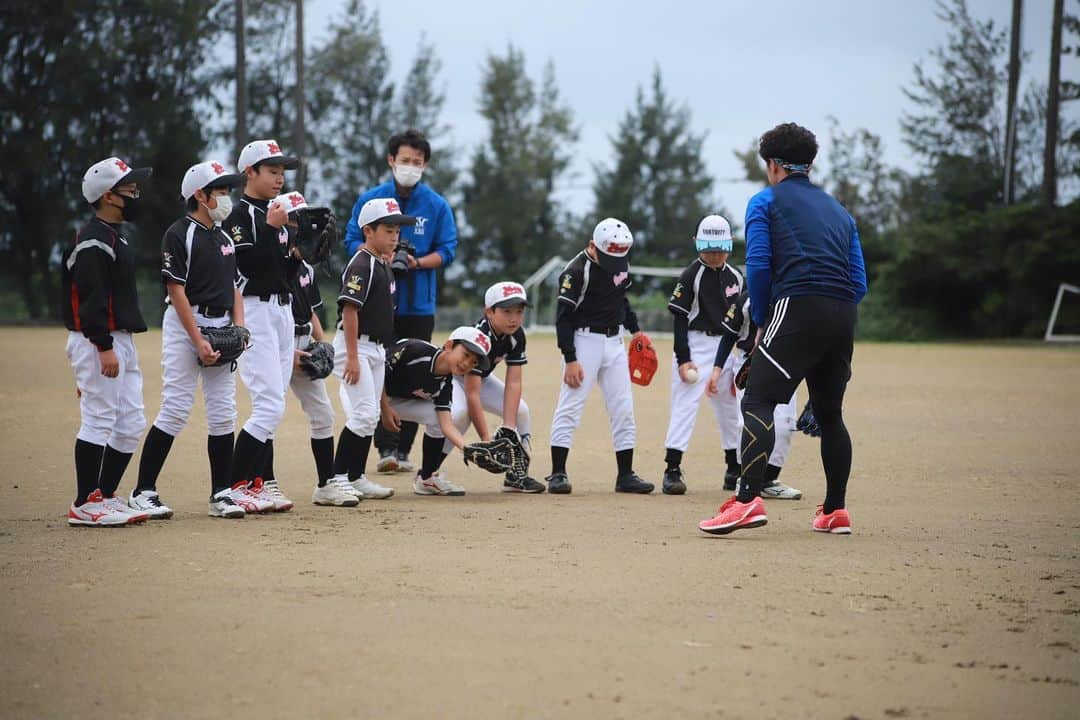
(643,360)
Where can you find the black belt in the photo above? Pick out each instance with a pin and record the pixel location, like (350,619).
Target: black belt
(711,333)
(302,330)
(212,312)
(608,331)
(280,298)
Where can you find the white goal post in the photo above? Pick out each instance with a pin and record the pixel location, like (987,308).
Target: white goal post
(1050,336)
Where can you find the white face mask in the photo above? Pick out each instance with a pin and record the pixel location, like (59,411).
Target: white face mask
(224,207)
(407,175)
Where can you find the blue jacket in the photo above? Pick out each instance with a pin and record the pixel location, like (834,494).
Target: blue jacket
(435,231)
(800,241)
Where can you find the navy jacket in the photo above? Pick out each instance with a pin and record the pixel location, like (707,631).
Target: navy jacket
(800,241)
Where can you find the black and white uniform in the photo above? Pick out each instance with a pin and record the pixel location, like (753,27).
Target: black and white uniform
(203,260)
(737,323)
(699,303)
(413,389)
(592,312)
(504,348)
(101,311)
(368,283)
(265,276)
(311,393)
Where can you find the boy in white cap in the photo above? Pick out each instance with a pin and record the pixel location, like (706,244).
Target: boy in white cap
(101,313)
(480,390)
(418,388)
(592,311)
(365,327)
(699,303)
(258,227)
(198,269)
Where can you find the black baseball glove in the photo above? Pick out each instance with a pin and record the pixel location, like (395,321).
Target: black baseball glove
(521,459)
(743,372)
(316,234)
(807,423)
(230,341)
(495,455)
(319,362)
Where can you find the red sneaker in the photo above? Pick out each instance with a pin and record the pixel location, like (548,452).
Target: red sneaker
(837,522)
(734,515)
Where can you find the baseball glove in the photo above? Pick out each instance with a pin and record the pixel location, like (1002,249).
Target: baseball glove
(642,359)
(807,423)
(317,233)
(230,341)
(743,373)
(319,362)
(521,459)
(495,455)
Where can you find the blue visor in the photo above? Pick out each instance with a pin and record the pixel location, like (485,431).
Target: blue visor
(713,245)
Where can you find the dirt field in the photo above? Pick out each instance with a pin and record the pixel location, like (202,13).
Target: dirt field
(957,596)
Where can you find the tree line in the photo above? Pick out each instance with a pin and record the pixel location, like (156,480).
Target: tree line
(147,78)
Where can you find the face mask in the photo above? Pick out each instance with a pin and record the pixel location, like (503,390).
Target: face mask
(407,175)
(224,207)
(131,210)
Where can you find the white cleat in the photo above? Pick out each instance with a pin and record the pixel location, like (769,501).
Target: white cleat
(223,505)
(335,494)
(137,516)
(437,484)
(779,491)
(149,501)
(97,512)
(272,492)
(370,490)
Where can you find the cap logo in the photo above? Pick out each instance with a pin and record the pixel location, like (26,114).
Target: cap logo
(617,248)
(713,231)
(295,199)
(482,341)
(274,148)
(392,206)
(122,165)
(217,168)
(509,290)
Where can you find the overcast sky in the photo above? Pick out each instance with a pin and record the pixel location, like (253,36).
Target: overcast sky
(741,66)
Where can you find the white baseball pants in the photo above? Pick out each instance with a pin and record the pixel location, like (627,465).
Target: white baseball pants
(419,411)
(361,401)
(266,366)
(604,362)
(314,400)
(685,397)
(111,408)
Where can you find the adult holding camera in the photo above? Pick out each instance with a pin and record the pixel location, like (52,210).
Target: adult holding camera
(423,248)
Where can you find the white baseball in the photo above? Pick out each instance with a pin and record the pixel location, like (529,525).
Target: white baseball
(691,375)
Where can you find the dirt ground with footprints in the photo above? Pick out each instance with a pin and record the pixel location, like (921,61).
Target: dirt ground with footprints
(957,596)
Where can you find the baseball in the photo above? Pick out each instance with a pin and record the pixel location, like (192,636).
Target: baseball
(691,376)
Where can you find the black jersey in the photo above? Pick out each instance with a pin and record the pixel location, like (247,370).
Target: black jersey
(369,283)
(306,298)
(410,373)
(737,322)
(98,282)
(510,348)
(703,294)
(262,251)
(203,260)
(595,297)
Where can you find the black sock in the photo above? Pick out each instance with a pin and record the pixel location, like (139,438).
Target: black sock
(87,468)
(835,457)
(348,445)
(406,437)
(772,472)
(219,449)
(558,459)
(731,459)
(322,449)
(247,454)
(155,449)
(359,465)
(625,461)
(758,438)
(267,462)
(673,458)
(432,455)
(385,441)
(113,465)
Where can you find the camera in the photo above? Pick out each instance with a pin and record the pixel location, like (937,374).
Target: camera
(399,262)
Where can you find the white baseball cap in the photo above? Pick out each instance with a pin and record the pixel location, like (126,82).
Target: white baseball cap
(613,239)
(106,174)
(475,341)
(269,151)
(291,201)
(505,294)
(206,176)
(713,234)
(385,211)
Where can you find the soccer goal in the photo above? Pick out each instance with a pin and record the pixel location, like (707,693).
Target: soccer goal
(543,290)
(1070,315)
